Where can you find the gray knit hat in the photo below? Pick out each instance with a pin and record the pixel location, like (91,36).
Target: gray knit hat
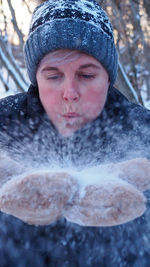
(74,24)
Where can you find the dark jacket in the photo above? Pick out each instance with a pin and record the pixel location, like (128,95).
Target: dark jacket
(122,131)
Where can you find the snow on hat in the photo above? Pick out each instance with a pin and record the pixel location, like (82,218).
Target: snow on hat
(72,24)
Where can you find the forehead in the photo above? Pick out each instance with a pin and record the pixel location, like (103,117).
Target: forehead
(64,56)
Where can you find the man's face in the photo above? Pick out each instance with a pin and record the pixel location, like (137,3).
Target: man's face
(73,89)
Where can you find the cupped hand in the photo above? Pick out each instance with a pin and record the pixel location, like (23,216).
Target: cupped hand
(37,198)
(106,204)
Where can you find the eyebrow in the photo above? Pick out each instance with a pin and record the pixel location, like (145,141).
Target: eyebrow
(88,65)
(49,69)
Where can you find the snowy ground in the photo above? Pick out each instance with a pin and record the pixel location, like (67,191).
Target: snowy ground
(3,92)
(12,85)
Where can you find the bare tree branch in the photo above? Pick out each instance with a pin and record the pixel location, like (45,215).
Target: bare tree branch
(15,24)
(6,85)
(7,49)
(11,70)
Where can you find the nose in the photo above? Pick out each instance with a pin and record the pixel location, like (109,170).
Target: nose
(70,91)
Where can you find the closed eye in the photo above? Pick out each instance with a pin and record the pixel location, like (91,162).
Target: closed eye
(86,76)
(54,77)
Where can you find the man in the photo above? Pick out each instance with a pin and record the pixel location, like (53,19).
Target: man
(71,117)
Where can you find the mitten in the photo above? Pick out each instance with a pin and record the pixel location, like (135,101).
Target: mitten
(37,198)
(106,203)
(135,172)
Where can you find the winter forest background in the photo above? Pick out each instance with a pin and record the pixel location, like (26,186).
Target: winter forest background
(131,23)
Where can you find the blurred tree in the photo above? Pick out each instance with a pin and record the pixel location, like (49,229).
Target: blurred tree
(131,22)
(12,36)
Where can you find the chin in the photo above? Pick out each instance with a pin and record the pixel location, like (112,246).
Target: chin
(68,130)
(66,133)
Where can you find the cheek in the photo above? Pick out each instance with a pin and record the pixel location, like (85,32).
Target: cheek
(50,99)
(94,101)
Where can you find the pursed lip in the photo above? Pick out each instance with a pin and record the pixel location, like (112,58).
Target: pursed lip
(71,115)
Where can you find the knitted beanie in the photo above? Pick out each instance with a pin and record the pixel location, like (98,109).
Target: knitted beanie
(72,24)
